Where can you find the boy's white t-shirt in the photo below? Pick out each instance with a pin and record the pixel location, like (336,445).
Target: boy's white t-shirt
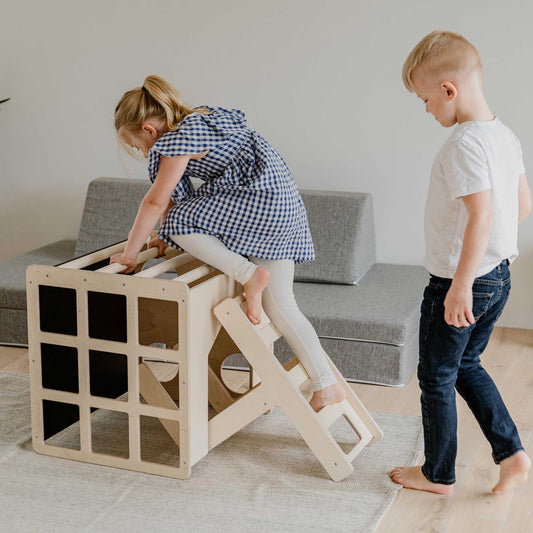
(478,156)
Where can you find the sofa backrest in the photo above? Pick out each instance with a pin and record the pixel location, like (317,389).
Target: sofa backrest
(110,208)
(342,227)
(341,223)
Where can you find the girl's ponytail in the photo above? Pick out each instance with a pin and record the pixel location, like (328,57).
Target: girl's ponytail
(166,98)
(156,99)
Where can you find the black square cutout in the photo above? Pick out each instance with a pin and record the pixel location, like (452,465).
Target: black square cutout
(57,310)
(107,316)
(108,374)
(59,367)
(58,416)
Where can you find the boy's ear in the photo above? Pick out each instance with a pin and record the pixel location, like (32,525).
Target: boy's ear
(450,89)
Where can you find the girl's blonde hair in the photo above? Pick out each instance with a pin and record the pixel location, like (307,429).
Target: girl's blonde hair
(156,99)
(440,52)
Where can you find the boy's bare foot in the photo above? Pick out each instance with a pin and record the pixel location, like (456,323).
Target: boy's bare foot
(253,289)
(328,395)
(411,477)
(513,472)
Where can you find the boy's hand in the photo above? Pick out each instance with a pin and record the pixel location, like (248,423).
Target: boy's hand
(128,262)
(161,245)
(458,307)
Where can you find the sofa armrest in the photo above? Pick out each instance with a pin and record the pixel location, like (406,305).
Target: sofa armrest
(13,272)
(342,227)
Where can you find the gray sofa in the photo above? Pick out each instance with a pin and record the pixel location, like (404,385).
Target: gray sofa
(365,313)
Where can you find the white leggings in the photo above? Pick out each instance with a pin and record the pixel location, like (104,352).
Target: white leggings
(278,299)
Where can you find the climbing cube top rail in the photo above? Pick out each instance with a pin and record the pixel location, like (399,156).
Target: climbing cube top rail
(174,260)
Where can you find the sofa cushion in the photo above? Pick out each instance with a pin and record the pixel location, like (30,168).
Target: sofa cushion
(110,208)
(367,362)
(342,227)
(383,308)
(13,272)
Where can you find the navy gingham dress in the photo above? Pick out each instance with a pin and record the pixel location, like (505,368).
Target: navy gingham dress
(248,200)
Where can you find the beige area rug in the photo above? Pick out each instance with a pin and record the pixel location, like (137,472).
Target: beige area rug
(264,478)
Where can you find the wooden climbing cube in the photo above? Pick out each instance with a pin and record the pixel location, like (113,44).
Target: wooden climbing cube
(90,336)
(151,347)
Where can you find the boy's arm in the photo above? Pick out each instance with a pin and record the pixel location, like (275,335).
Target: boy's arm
(458,302)
(524,198)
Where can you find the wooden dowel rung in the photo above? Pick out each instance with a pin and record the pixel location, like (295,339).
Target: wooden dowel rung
(95,257)
(195,274)
(114,268)
(165,266)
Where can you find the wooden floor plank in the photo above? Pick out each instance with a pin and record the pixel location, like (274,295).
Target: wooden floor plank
(385,399)
(520,515)
(485,511)
(14,359)
(9,355)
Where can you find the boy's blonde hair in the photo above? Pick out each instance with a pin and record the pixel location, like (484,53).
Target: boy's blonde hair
(440,52)
(156,99)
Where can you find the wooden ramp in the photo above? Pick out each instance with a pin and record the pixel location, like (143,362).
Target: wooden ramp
(281,386)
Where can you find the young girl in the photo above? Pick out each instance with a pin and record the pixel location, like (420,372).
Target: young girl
(247,219)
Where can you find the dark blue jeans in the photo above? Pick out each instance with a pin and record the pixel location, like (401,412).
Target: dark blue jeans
(449,361)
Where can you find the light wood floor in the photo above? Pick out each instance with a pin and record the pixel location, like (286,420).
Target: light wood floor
(472,508)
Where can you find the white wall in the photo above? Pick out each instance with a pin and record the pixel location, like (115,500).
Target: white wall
(320,79)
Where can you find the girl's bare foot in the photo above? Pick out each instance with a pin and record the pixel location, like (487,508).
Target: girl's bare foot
(513,472)
(411,477)
(253,289)
(328,395)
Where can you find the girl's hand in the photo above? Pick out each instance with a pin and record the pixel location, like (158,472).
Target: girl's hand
(158,243)
(128,262)
(458,307)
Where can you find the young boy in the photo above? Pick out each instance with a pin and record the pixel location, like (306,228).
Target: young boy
(477,195)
